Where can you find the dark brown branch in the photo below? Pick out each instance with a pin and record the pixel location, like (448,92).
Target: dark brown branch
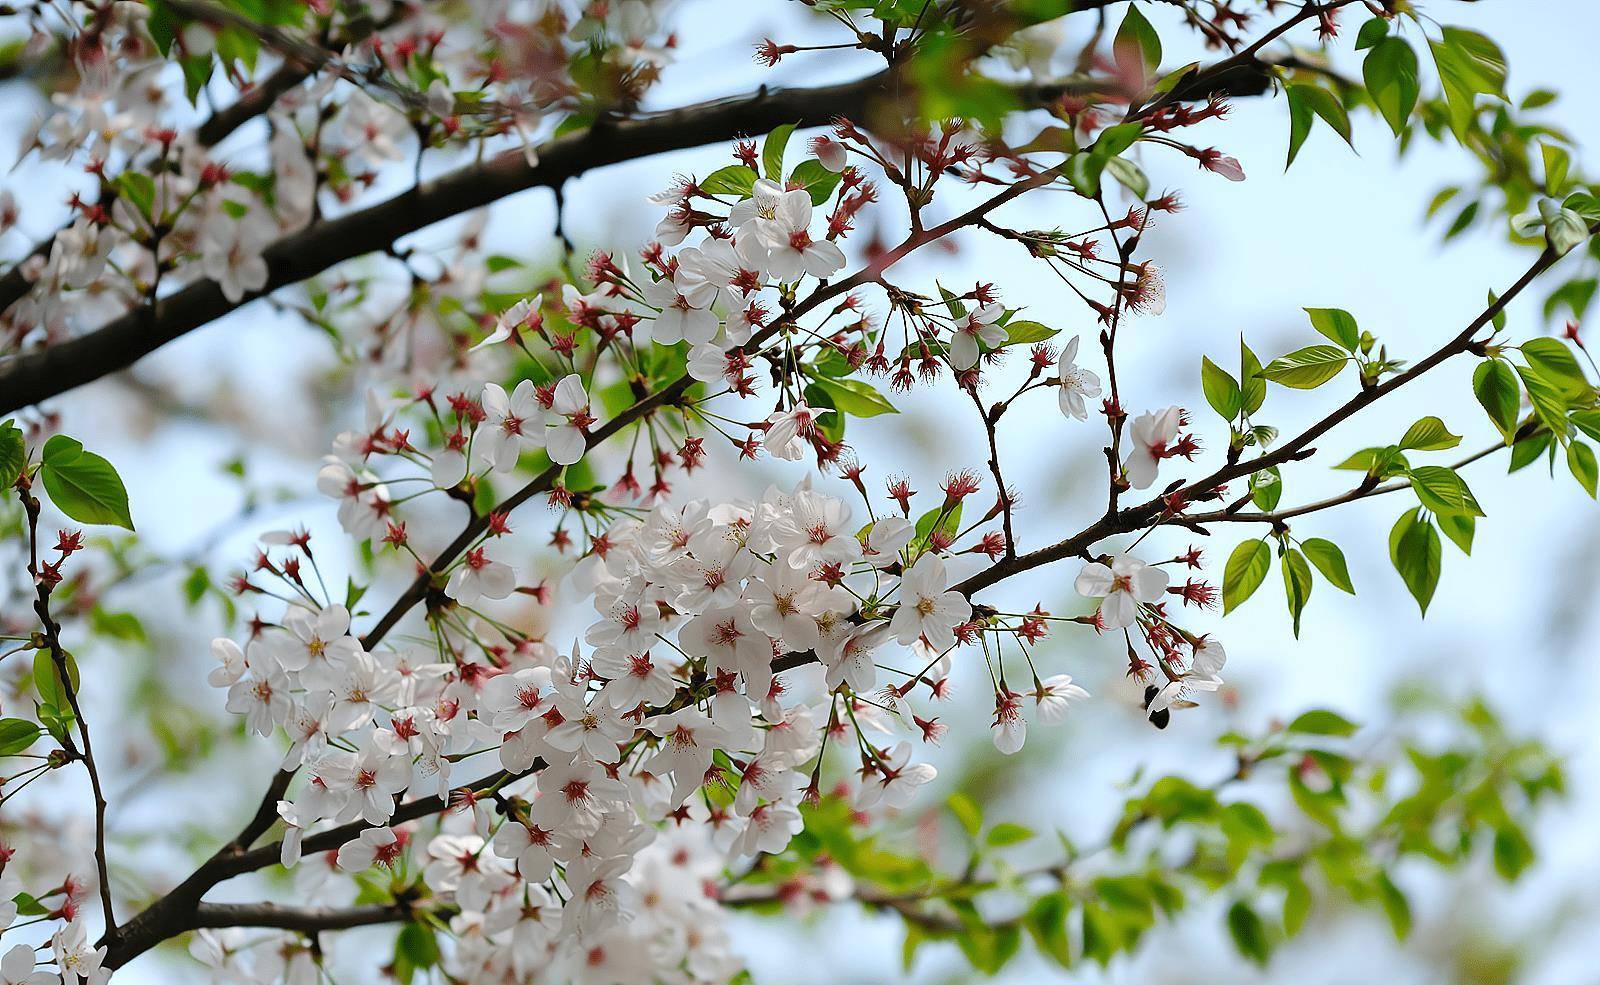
(306,919)
(36,376)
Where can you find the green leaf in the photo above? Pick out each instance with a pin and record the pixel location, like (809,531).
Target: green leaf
(1129,176)
(1395,906)
(772,151)
(1512,852)
(1307,101)
(13,455)
(1046,921)
(1221,389)
(1137,46)
(16,735)
(1495,385)
(1338,325)
(1557,163)
(1469,65)
(1007,833)
(1390,72)
(1252,388)
(856,398)
(966,811)
(1459,527)
(1441,490)
(1249,935)
(1416,553)
(1027,332)
(735,179)
(1548,400)
(1527,451)
(83,485)
(415,949)
(1308,368)
(1297,584)
(1320,721)
(1246,569)
(1329,560)
(1587,421)
(1371,33)
(817,180)
(1581,462)
(1266,489)
(1429,434)
(1551,359)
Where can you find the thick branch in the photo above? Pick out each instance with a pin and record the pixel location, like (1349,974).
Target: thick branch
(33,377)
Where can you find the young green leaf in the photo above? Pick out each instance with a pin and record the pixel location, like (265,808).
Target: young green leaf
(1252,388)
(1338,325)
(772,151)
(1248,932)
(1137,46)
(13,455)
(1459,527)
(1495,385)
(1390,72)
(1329,560)
(856,398)
(1027,332)
(1297,584)
(1581,462)
(1307,101)
(83,485)
(1308,368)
(1246,569)
(1266,489)
(1416,553)
(1321,721)
(1556,363)
(1441,490)
(817,180)
(735,179)
(16,735)
(1221,390)
(1429,434)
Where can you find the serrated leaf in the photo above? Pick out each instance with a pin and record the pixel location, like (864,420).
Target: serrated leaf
(83,485)
(1329,560)
(1246,569)
(1307,368)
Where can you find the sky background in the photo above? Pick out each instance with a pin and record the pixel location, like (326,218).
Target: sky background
(1342,229)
